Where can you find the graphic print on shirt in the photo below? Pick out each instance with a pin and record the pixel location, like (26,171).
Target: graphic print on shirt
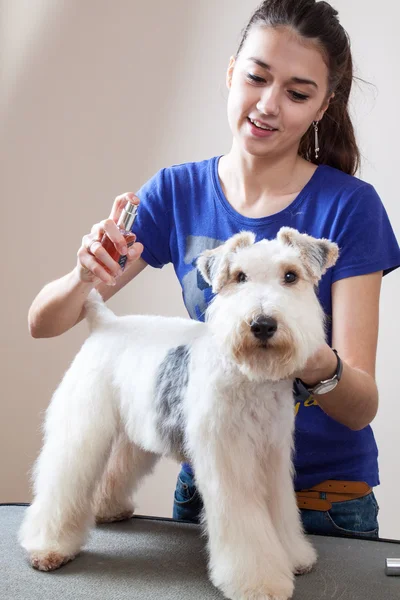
(197,293)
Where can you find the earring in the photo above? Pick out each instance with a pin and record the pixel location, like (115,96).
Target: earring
(315,123)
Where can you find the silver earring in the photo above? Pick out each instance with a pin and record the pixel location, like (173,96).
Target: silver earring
(315,123)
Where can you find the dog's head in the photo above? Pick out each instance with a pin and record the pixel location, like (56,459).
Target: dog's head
(266,313)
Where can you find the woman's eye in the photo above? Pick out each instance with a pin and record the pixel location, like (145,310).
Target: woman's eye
(297,97)
(241,277)
(290,277)
(255,78)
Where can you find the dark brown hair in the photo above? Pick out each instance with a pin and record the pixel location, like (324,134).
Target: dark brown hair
(318,21)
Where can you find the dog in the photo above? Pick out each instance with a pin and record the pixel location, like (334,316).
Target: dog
(217,394)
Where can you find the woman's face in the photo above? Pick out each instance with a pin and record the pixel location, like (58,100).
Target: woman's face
(278,87)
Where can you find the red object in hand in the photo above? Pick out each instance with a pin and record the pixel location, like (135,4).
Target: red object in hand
(124,224)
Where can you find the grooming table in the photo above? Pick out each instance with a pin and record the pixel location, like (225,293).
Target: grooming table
(161,559)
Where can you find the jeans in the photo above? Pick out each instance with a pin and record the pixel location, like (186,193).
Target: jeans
(356,518)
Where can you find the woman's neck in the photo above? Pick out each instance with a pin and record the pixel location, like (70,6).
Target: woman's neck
(259,186)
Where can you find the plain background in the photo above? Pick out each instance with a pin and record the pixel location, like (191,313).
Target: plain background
(95,97)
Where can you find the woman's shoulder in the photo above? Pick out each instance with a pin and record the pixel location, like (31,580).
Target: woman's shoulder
(192,168)
(343,181)
(345,193)
(194,164)
(187,173)
(178,177)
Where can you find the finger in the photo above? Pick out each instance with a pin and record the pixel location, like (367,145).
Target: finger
(88,243)
(96,234)
(114,234)
(120,203)
(100,273)
(88,240)
(91,269)
(135,251)
(97,231)
(103,257)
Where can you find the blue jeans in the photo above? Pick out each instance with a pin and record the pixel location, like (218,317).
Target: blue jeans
(357,518)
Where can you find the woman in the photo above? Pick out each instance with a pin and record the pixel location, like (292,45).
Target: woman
(292,162)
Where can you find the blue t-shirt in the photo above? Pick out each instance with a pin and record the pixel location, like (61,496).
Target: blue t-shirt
(184,211)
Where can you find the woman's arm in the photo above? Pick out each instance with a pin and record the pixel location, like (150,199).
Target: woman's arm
(355,322)
(59,305)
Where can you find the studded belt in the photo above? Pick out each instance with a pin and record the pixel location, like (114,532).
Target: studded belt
(321,496)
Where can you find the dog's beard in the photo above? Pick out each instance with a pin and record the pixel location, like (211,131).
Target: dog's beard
(272,360)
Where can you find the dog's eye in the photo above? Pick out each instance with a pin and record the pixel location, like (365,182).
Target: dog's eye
(241,277)
(290,277)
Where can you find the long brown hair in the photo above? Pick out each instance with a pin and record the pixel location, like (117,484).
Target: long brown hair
(318,21)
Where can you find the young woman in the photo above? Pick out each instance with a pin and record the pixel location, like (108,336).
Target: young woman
(292,162)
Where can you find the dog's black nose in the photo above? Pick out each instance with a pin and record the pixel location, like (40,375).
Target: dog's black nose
(263,328)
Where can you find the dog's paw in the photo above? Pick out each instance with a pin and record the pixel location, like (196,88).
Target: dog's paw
(267,595)
(48,561)
(267,591)
(303,569)
(259,595)
(112,518)
(306,557)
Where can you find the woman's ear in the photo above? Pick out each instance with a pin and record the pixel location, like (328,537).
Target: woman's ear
(324,108)
(229,73)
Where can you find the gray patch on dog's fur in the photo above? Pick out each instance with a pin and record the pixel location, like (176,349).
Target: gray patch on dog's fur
(323,252)
(171,383)
(316,255)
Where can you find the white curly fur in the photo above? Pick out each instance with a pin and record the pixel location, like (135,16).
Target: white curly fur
(103,431)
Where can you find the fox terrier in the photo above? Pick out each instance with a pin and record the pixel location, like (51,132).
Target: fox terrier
(216,394)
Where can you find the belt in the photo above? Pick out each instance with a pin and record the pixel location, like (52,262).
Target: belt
(321,496)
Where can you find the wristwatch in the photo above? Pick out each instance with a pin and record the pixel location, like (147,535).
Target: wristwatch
(327,385)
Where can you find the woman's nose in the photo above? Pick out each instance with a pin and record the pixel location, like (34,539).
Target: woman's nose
(269,103)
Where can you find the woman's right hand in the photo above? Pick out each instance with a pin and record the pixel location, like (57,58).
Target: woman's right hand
(95,264)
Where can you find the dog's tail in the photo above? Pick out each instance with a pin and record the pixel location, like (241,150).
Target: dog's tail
(96,312)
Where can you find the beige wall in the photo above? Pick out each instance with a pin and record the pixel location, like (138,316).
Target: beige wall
(95,97)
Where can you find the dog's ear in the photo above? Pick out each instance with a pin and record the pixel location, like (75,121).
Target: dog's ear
(317,255)
(214,264)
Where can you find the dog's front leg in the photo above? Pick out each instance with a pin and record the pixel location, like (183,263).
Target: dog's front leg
(285,513)
(247,560)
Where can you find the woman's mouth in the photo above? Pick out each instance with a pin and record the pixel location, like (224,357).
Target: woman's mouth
(260,129)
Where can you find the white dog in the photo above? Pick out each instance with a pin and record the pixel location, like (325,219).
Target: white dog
(217,394)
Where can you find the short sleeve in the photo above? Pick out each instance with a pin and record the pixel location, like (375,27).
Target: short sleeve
(152,224)
(365,237)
